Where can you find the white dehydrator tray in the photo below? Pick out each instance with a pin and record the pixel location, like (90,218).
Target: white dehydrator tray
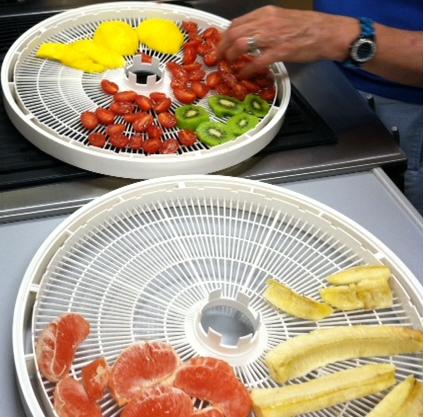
(158,259)
(44,99)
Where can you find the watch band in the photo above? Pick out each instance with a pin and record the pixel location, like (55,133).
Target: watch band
(367,36)
(367,28)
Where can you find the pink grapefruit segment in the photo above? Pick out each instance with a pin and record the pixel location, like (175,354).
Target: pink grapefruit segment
(95,378)
(159,401)
(55,348)
(71,400)
(141,366)
(209,379)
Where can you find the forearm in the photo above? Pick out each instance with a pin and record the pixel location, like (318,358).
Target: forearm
(399,56)
(307,36)
(399,52)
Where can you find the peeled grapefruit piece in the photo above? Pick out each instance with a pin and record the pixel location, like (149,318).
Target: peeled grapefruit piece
(212,380)
(141,366)
(95,378)
(159,401)
(71,400)
(208,412)
(55,348)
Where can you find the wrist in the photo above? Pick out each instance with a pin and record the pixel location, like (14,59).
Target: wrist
(342,31)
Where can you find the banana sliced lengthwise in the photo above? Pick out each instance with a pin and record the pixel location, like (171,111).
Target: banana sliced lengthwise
(404,400)
(323,392)
(413,406)
(302,354)
(295,304)
(368,294)
(359,273)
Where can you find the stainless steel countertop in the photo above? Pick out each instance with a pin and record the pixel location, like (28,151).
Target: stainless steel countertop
(363,144)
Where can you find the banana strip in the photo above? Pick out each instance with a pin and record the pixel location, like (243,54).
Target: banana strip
(368,294)
(393,402)
(323,392)
(295,304)
(302,354)
(358,273)
(413,406)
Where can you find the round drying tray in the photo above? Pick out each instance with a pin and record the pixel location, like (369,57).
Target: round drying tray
(164,259)
(44,99)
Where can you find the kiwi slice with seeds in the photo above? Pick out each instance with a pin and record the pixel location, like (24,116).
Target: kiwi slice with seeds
(242,123)
(256,105)
(190,116)
(225,106)
(214,133)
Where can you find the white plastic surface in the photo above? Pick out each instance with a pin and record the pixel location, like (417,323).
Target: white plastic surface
(45,99)
(140,263)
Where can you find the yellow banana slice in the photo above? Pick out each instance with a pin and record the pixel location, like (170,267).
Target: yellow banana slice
(358,273)
(413,406)
(302,354)
(292,400)
(295,304)
(393,401)
(368,294)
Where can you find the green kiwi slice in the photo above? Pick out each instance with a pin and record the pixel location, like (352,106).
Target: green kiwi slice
(256,105)
(225,106)
(190,116)
(213,133)
(241,123)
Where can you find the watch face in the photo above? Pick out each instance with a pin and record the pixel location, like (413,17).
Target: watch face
(363,50)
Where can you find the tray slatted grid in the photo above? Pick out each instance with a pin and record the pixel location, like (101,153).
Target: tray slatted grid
(45,99)
(56,95)
(138,264)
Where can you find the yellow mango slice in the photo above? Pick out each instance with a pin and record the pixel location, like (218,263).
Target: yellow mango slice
(117,36)
(78,60)
(161,35)
(300,355)
(69,56)
(99,53)
(296,399)
(52,51)
(295,304)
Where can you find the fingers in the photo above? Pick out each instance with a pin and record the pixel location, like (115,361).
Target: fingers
(258,65)
(234,38)
(235,41)
(239,47)
(240,29)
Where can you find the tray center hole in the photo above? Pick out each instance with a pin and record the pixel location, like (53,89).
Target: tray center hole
(147,74)
(141,76)
(231,322)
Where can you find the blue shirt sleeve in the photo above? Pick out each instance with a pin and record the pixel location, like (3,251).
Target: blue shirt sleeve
(400,14)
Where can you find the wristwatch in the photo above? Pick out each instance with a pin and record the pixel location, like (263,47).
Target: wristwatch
(364,48)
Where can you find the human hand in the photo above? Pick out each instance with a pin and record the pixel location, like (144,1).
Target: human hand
(289,36)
